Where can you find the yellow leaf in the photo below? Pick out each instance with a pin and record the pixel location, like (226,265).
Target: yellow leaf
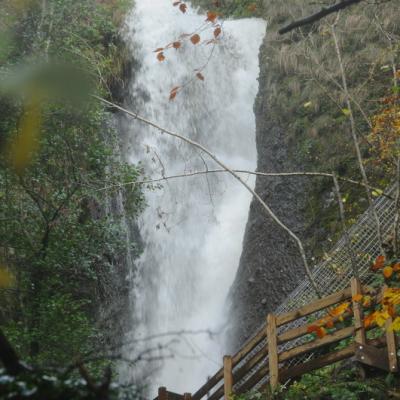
(346,111)
(308,104)
(387,272)
(377,192)
(26,143)
(395,326)
(339,310)
(6,278)
(381,317)
(367,301)
(391,296)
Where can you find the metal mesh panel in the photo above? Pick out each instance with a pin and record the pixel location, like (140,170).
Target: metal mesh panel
(333,273)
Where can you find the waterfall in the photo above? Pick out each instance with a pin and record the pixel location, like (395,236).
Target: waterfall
(192,228)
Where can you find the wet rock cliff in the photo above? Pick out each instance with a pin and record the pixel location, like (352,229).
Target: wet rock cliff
(302,126)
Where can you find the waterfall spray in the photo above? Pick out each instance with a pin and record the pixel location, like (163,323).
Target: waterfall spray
(192,229)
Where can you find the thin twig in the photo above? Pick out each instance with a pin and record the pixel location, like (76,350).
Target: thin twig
(264,205)
(345,231)
(355,141)
(242,171)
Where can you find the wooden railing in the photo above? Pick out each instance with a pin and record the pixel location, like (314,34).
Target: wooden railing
(274,355)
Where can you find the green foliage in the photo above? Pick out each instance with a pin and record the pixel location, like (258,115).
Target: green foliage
(63,234)
(326,384)
(67,326)
(336,382)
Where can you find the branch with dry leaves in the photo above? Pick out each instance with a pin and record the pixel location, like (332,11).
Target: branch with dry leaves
(211,22)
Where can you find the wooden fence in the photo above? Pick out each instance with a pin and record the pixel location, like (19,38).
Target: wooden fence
(278,352)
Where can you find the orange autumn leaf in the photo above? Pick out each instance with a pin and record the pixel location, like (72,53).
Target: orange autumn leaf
(387,272)
(320,331)
(183,7)
(357,297)
(173,93)
(339,310)
(322,321)
(176,45)
(160,57)
(312,328)
(330,323)
(396,267)
(391,310)
(211,16)
(195,38)
(379,263)
(217,31)
(368,320)
(200,76)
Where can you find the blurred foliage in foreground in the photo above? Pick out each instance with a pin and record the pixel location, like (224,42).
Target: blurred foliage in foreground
(39,386)
(62,237)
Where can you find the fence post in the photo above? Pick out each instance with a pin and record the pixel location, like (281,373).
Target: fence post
(162,393)
(390,341)
(272,352)
(228,377)
(356,289)
(187,396)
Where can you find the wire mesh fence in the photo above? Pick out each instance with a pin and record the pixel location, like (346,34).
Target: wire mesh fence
(336,270)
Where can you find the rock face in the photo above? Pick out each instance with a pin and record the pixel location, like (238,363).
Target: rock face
(270,264)
(302,125)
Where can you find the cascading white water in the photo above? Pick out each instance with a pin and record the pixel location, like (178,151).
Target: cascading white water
(193,227)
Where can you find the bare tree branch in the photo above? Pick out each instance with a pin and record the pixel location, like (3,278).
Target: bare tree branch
(355,139)
(318,15)
(264,205)
(353,258)
(241,171)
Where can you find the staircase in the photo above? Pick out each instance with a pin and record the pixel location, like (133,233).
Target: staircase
(267,359)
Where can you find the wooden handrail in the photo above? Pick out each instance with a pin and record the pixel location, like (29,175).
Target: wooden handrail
(249,346)
(250,364)
(210,384)
(315,344)
(317,305)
